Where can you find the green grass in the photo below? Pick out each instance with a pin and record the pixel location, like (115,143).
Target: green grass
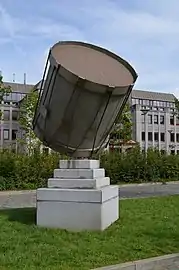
(147,228)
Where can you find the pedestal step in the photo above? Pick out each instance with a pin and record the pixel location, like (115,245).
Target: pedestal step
(79,164)
(78,183)
(79,173)
(77,195)
(77,209)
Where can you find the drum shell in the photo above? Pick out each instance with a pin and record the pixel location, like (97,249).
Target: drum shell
(74,115)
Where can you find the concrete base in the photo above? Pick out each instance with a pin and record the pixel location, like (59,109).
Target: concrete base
(78,198)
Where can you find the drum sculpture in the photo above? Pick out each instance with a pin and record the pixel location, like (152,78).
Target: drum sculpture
(84,89)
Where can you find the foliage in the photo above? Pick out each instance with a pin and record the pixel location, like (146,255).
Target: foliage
(4,91)
(26,171)
(123,126)
(135,166)
(19,171)
(27,110)
(146,228)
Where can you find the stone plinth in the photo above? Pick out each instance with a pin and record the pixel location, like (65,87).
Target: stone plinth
(79,197)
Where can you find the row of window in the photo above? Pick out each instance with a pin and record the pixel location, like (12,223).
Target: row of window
(155,137)
(156,120)
(14,97)
(153,103)
(6,134)
(7,117)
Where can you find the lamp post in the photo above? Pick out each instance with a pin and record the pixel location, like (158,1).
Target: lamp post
(145,112)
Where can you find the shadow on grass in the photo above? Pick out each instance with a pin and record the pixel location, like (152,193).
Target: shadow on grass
(22,215)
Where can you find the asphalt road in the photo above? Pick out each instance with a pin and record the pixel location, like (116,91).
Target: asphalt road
(28,198)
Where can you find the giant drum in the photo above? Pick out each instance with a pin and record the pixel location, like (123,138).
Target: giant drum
(83,90)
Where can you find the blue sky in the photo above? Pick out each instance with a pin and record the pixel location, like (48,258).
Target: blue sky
(146,33)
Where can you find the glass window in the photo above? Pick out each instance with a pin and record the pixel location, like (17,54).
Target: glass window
(6,115)
(177,137)
(172,120)
(172,137)
(6,134)
(151,103)
(14,132)
(155,119)
(150,136)
(149,119)
(14,115)
(162,137)
(156,137)
(162,119)
(172,152)
(143,136)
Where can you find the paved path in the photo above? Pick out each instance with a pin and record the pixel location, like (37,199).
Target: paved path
(18,199)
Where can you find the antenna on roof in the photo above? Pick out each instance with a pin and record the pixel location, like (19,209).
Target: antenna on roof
(13,77)
(24,78)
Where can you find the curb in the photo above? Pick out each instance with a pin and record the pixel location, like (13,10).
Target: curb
(168,262)
(16,192)
(149,184)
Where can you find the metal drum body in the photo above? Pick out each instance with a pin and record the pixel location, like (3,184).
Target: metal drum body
(83,90)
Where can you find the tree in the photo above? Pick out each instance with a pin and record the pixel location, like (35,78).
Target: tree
(27,111)
(123,126)
(177,104)
(4,91)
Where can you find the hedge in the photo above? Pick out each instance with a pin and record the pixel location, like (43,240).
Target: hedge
(31,172)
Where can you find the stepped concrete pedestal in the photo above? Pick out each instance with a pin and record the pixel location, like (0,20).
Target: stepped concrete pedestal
(79,197)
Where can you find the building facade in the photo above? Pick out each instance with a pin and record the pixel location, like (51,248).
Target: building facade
(9,126)
(155,121)
(154,117)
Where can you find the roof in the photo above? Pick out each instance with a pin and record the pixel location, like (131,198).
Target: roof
(153,95)
(19,87)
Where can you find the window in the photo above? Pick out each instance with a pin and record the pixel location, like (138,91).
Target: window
(14,132)
(156,137)
(45,150)
(155,119)
(172,152)
(172,120)
(162,119)
(177,120)
(6,134)
(6,115)
(150,136)
(149,119)
(14,115)
(162,137)
(177,137)
(143,136)
(177,152)
(172,137)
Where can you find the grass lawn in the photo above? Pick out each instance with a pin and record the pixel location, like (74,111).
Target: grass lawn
(147,228)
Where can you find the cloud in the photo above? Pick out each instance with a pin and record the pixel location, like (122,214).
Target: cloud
(146,33)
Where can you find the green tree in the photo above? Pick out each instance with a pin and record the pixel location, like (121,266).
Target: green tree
(27,110)
(123,126)
(177,104)
(4,91)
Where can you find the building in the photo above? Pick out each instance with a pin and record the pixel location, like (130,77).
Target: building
(9,126)
(155,121)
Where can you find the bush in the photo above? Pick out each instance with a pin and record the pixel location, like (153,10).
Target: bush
(31,172)
(136,166)
(26,172)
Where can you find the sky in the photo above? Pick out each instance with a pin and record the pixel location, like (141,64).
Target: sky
(145,33)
